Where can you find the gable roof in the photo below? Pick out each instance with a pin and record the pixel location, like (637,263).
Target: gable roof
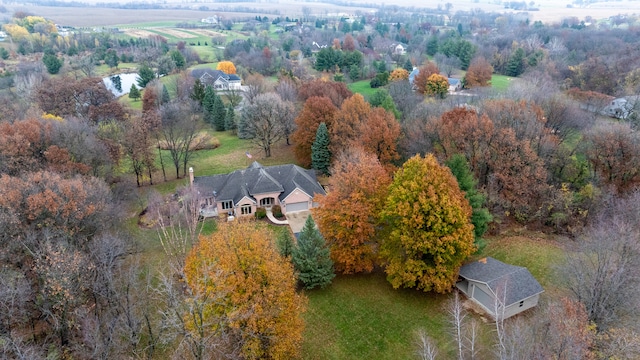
(257,179)
(214,74)
(453,81)
(413,74)
(516,281)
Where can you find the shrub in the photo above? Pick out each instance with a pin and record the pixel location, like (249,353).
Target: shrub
(277,211)
(261,213)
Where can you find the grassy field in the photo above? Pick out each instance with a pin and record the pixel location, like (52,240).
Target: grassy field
(363,317)
(500,82)
(362,87)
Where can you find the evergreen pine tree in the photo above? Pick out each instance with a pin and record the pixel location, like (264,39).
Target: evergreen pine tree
(198,91)
(208,102)
(134,93)
(480,216)
(408,65)
(219,114)
(311,258)
(515,66)
(285,244)
(320,154)
(230,119)
(145,75)
(432,46)
(165,95)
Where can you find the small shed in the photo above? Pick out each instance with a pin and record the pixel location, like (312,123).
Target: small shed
(499,287)
(454,84)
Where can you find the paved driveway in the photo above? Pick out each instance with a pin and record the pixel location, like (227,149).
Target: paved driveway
(297,219)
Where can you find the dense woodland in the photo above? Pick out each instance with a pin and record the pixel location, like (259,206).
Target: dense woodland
(428,174)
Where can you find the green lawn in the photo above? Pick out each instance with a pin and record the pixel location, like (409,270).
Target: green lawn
(207,53)
(538,254)
(362,87)
(134,104)
(363,317)
(501,82)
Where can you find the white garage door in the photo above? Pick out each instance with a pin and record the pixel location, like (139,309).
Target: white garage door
(299,206)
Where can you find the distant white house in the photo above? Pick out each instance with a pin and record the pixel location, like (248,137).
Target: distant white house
(210,20)
(399,49)
(3,35)
(454,84)
(318,46)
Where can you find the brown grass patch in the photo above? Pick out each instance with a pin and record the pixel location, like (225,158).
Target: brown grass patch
(203,141)
(176,33)
(138,33)
(206,32)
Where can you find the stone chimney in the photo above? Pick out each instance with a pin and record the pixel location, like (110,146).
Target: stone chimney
(191,176)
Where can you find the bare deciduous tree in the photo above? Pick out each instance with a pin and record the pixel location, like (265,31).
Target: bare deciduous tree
(425,346)
(266,120)
(179,225)
(179,133)
(457,315)
(605,272)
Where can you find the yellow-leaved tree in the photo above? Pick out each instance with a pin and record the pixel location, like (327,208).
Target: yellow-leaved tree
(227,67)
(399,74)
(254,288)
(429,228)
(437,86)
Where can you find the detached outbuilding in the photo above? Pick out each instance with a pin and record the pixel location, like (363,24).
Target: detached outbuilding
(496,286)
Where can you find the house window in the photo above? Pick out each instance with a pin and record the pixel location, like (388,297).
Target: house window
(522,303)
(245,209)
(226,205)
(266,202)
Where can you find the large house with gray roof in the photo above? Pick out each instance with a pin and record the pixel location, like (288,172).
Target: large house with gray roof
(218,79)
(241,192)
(499,287)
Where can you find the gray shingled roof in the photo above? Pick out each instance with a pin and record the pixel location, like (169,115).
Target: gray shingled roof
(215,74)
(519,282)
(257,179)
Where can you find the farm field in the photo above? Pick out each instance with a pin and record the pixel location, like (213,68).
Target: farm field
(549,10)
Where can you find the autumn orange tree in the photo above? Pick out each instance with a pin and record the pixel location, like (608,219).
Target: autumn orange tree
(506,166)
(316,110)
(429,230)
(613,152)
(376,130)
(73,206)
(348,122)
(479,73)
(348,214)
(227,67)
(425,71)
(336,91)
(379,135)
(254,290)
